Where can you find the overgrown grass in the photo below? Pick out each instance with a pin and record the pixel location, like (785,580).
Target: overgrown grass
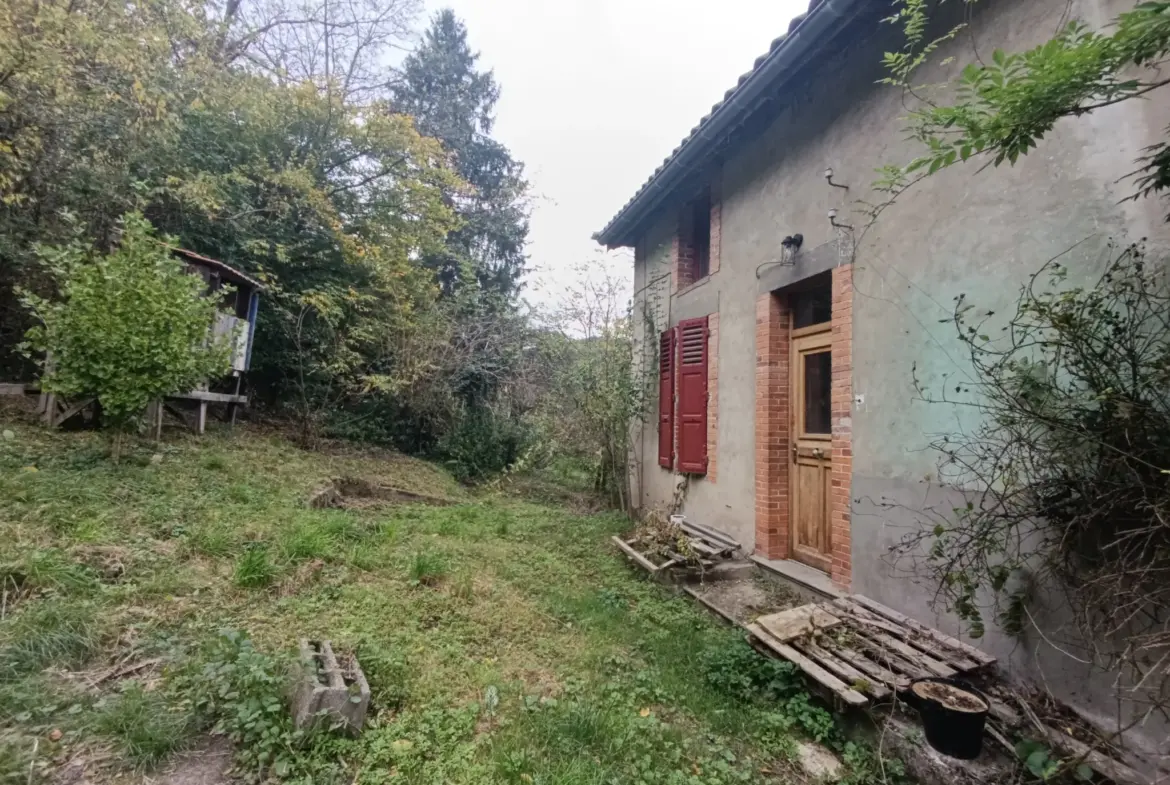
(502,639)
(146,727)
(52,632)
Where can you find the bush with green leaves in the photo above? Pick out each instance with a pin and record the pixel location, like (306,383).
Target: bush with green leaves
(242,691)
(128,328)
(483,443)
(736,669)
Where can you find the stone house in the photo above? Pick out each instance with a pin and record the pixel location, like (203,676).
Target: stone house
(786,330)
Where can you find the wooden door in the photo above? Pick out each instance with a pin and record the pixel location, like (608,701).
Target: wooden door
(811,475)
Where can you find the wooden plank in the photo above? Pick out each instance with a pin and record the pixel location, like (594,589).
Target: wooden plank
(707,533)
(911,637)
(210,397)
(797,622)
(633,554)
(843,669)
(73,411)
(7,388)
(870,668)
(703,548)
(1114,770)
(936,667)
(812,669)
(981,657)
(881,654)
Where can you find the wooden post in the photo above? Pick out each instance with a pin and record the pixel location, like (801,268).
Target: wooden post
(201,420)
(154,419)
(234,408)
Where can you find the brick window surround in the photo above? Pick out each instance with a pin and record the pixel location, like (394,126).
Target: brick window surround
(685,263)
(773,425)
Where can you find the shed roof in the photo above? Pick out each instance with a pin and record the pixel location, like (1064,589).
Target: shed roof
(226,272)
(800,45)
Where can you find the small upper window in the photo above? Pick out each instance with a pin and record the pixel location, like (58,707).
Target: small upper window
(695,240)
(812,306)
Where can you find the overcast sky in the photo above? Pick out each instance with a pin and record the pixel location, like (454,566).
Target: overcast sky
(597,92)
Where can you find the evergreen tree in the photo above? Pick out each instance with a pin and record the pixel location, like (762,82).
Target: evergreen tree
(454,102)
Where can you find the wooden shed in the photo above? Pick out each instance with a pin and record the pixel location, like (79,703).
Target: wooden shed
(238,299)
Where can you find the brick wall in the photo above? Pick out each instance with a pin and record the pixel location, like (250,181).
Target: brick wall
(712,394)
(682,263)
(772,426)
(842,418)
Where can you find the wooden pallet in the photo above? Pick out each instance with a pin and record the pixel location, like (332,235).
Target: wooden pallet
(860,650)
(707,546)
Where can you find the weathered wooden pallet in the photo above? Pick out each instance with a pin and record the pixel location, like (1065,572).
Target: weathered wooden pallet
(708,546)
(859,650)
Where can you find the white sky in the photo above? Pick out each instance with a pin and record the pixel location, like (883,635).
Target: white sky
(597,92)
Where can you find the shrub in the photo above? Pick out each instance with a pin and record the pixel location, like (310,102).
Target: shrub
(129,328)
(483,443)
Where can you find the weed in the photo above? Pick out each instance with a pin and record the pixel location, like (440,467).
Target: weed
(212,538)
(388,673)
(214,462)
(242,691)
(464,588)
(49,569)
(427,568)
(254,568)
(146,727)
(734,668)
(305,539)
(49,632)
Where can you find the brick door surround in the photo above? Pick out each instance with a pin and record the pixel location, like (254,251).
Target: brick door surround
(774,418)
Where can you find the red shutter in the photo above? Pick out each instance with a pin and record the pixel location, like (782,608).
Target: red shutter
(666,399)
(692,395)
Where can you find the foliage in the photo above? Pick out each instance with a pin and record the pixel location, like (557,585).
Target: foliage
(1064,471)
(266,135)
(146,727)
(1068,466)
(1044,765)
(594,390)
(454,102)
(242,691)
(129,328)
(1005,104)
(738,670)
(483,442)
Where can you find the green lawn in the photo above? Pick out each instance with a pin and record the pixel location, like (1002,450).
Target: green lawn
(505,642)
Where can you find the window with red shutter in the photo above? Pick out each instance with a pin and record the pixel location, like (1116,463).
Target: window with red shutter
(692,395)
(666,399)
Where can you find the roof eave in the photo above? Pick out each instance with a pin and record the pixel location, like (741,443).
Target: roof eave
(818,24)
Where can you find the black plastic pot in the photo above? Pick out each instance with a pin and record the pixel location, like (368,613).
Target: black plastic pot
(951,731)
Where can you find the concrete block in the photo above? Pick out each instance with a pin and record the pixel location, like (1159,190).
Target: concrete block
(329,692)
